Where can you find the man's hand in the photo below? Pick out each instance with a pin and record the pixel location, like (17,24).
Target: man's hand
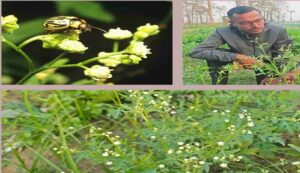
(246,61)
(292,76)
(271,81)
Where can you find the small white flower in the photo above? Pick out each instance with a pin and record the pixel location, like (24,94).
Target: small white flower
(220,143)
(170,151)
(250,124)
(109,163)
(223,165)
(173,112)
(180,143)
(105,154)
(139,49)
(241,116)
(117,34)
(296,163)
(161,166)
(226,120)
(193,158)
(98,73)
(227,111)
(215,111)
(153,137)
(117,143)
(201,162)
(178,152)
(216,158)
(240,157)
(72,46)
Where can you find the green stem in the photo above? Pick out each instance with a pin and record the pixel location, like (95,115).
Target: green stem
(81,64)
(116,46)
(29,41)
(64,144)
(56,59)
(21,52)
(16,153)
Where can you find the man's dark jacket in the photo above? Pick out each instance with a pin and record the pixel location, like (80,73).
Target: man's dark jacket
(273,38)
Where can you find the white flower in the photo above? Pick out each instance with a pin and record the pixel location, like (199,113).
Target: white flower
(216,158)
(170,151)
(250,124)
(98,73)
(117,34)
(240,157)
(226,120)
(180,143)
(241,116)
(220,143)
(139,49)
(227,110)
(153,137)
(105,154)
(296,163)
(161,166)
(201,162)
(72,46)
(178,152)
(117,143)
(223,165)
(173,112)
(109,163)
(215,111)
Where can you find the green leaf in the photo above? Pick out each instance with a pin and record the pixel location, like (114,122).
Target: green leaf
(152,170)
(294,147)
(92,10)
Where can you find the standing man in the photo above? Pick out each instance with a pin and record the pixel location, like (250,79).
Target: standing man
(247,30)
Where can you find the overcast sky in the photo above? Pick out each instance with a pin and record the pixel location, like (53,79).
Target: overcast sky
(294,6)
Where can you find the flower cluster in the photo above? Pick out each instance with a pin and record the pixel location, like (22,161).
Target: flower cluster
(9,24)
(98,73)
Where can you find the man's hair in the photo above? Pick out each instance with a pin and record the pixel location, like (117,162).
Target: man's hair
(240,10)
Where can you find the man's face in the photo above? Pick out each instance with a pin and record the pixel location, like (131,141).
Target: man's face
(251,22)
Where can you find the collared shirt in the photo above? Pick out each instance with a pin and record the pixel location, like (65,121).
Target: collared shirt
(270,42)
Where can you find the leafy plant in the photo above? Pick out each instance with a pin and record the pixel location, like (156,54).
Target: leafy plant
(151,131)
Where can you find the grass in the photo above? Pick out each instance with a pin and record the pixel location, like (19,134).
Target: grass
(195,71)
(150,131)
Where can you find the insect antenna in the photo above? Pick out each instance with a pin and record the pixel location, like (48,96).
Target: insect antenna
(98,28)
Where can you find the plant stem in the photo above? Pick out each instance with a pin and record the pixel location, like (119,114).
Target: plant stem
(29,41)
(64,144)
(20,51)
(46,67)
(116,46)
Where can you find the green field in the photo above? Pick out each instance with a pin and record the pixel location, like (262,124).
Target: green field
(195,70)
(151,132)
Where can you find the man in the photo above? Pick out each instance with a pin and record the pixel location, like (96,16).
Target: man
(247,30)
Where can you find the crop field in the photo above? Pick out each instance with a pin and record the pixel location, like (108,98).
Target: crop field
(151,132)
(196,70)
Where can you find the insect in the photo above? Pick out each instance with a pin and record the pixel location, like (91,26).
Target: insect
(65,23)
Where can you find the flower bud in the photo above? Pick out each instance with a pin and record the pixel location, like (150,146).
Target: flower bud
(117,34)
(146,31)
(72,46)
(138,49)
(9,24)
(98,73)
